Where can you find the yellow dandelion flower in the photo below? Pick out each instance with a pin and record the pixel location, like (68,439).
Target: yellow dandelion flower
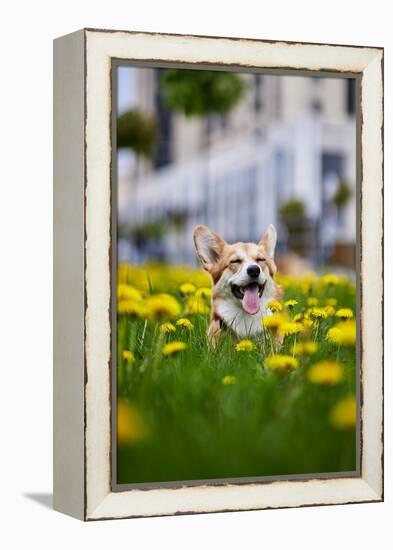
(330,279)
(343,280)
(187,288)
(331,302)
(281,362)
(285,281)
(305,288)
(308,324)
(329,310)
(195,305)
(128,355)
(326,372)
(343,415)
(244,345)
(122,273)
(128,292)
(228,380)
(185,323)
(298,349)
(310,347)
(291,304)
(343,334)
(344,313)
(306,282)
(204,292)
(274,306)
(163,305)
(133,307)
(173,347)
(272,322)
(318,313)
(334,336)
(305,348)
(312,301)
(167,328)
(131,425)
(288,328)
(298,317)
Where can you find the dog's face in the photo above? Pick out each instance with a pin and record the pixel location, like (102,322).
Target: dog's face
(242,272)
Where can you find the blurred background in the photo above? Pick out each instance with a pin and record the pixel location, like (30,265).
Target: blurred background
(236,152)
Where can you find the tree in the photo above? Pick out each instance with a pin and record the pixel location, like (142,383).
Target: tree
(137,131)
(198,93)
(342,195)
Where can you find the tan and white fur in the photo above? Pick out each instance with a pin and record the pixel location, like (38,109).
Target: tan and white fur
(243,281)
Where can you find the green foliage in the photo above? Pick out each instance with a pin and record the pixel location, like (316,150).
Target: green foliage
(199,93)
(149,230)
(137,131)
(293,207)
(342,194)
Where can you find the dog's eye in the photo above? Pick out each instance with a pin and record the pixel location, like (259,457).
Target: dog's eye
(236,261)
(260,259)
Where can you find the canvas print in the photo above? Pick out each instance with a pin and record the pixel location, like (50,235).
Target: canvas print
(236,276)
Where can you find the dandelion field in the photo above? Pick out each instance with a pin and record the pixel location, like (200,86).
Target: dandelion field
(249,408)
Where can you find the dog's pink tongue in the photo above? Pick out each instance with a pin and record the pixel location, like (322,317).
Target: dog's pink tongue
(250,300)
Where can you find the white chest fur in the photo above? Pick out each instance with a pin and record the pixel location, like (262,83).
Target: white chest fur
(242,323)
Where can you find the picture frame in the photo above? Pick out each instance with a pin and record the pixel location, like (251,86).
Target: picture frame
(84,256)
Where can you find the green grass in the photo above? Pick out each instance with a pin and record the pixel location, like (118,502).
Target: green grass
(189,425)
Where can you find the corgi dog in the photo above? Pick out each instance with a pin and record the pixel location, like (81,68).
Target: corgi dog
(243,281)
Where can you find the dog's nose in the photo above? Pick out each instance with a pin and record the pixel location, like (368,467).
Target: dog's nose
(253,271)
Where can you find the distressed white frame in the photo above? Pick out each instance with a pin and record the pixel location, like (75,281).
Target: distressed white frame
(96,500)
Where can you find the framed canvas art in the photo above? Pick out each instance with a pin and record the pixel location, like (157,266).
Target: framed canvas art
(218,271)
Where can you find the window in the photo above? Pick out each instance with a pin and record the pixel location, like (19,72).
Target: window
(351,96)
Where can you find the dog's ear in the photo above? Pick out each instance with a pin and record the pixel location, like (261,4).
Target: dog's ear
(269,240)
(208,245)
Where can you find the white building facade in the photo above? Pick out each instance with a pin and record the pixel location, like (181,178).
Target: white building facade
(289,138)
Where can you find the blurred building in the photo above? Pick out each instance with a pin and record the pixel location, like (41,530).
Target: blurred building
(288,138)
